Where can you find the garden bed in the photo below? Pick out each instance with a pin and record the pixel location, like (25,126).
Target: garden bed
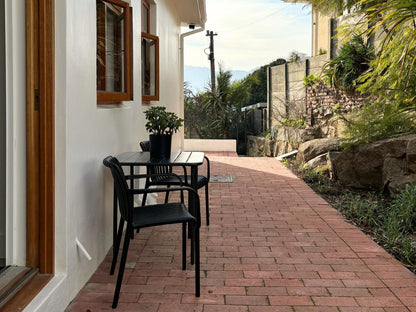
(391,222)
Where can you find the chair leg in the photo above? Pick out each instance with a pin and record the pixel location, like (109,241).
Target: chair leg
(184,246)
(197,262)
(116,246)
(122,266)
(207,204)
(167,195)
(191,229)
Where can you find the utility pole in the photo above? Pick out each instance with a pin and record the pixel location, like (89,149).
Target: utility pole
(211,35)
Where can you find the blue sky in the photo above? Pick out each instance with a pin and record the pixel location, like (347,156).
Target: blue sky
(251,33)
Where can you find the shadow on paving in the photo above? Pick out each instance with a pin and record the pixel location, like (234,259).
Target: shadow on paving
(273,245)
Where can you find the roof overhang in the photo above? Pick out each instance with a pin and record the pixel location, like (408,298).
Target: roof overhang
(192,12)
(254,106)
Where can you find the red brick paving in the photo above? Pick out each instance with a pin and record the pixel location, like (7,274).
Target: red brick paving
(273,246)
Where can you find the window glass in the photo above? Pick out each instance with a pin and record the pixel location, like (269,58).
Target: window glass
(148,66)
(145,18)
(113,72)
(150,57)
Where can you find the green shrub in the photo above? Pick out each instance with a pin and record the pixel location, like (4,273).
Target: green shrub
(353,60)
(311,80)
(299,123)
(375,122)
(403,210)
(392,225)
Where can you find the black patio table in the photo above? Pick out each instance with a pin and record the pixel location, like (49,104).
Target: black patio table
(140,159)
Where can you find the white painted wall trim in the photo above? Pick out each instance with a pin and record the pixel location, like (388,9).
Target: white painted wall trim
(194,145)
(53,297)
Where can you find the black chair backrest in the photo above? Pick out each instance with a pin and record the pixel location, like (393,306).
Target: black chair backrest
(125,199)
(145,145)
(159,172)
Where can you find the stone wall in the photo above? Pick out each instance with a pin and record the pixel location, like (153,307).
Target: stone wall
(284,140)
(322,102)
(288,98)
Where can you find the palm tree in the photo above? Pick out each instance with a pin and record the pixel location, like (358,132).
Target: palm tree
(223,105)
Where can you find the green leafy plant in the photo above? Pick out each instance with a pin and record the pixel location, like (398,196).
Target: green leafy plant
(377,121)
(294,123)
(311,80)
(161,122)
(353,60)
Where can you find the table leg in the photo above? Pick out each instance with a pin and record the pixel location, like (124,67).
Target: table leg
(192,202)
(194,185)
(131,179)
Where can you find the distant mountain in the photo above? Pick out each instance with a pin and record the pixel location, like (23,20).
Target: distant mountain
(200,77)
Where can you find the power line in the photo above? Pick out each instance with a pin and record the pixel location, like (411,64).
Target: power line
(258,20)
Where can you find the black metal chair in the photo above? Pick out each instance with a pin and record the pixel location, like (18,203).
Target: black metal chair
(148,216)
(203,180)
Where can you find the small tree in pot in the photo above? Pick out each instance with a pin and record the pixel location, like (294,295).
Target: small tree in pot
(161,125)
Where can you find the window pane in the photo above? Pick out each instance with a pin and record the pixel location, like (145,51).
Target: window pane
(145,18)
(110,47)
(148,67)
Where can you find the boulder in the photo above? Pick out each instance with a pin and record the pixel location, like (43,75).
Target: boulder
(313,148)
(384,165)
(318,161)
(411,155)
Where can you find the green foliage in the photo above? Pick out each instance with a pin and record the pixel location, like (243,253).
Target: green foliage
(161,122)
(403,210)
(294,123)
(352,61)
(311,80)
(376,121)
(218,114)
(258,85)
(294,56)
(322,51)
(336,8)
(315,177)
(391,223)
(365,210)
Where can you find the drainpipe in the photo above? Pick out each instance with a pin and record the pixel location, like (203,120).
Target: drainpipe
(181,48)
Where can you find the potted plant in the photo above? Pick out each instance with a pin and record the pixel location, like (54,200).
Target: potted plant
(161,125)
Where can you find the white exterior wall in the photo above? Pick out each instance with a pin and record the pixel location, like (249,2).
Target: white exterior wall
(86,133)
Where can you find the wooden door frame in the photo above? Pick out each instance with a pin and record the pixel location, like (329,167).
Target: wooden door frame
(40,145)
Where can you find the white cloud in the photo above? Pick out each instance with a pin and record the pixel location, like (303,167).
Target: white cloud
(251,33)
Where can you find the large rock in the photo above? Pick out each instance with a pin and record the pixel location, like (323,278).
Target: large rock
(411,155)
(383,165)
(313,148)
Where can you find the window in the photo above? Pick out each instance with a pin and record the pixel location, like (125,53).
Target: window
(150,57)
(114,52)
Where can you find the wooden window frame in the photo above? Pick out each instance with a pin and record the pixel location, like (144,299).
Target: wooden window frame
(148,98)
(147,5)
(104,97)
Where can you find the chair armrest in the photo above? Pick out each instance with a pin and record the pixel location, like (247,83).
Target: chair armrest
(147,176)
(163,189)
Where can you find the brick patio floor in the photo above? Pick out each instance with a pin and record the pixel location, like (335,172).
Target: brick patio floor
(273,246)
